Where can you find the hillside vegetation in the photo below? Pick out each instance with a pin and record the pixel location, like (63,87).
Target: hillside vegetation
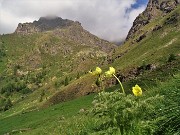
(161,38)
(36,65)
(75,117)
(48,84)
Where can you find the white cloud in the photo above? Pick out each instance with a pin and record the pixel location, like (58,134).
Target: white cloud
(107,19)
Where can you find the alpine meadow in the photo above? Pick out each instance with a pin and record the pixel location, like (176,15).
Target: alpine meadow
(56,78)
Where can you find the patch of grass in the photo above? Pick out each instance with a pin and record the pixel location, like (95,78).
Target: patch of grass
(38,118)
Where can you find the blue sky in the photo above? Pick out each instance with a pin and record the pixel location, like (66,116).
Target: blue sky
(140,3)
(108,19)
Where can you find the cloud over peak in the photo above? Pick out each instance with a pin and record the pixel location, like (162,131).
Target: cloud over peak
(108,19)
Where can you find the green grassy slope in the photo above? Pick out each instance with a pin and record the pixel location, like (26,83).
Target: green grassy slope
(155,48)
(33,67)
(44,117)
(64,118)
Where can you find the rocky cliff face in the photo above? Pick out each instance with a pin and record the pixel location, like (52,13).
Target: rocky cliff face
(44,24)
(154,8)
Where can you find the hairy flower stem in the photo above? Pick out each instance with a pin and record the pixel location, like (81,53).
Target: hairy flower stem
(119,83)
(101,82)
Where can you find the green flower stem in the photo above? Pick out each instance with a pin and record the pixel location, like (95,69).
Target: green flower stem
(102,84)
(119,83)
(100,79)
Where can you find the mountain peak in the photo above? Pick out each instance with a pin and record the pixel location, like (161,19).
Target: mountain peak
(154,9)
(44,24)
(50,17)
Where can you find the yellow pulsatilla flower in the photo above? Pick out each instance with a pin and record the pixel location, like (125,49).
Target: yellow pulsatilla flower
(98,71)
(137,90)
(110,72)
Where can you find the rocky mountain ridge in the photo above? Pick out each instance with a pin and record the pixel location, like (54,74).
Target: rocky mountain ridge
(66,29)
(154,9)
(44,24)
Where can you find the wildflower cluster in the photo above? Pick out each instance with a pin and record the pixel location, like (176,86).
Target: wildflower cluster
(137,91)
(123,113)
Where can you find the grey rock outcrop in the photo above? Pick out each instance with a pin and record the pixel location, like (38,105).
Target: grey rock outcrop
(154,9)
(44,24)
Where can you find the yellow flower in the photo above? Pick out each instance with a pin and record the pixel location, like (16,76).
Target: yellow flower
(108,74)
(98,71)
(137,90)
(112,70)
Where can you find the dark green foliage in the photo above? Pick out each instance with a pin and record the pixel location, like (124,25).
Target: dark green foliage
(66,81)
(70,79)
(20,86)
(171,58)
(8,105)
(5,104)
(78,75)
(42,95)
(36,77)
(124,114)
(25,90)
(2,103)
(13,86)
(144,65)
(173,19)
(2,53)
(98,82)
(16,67)
(9,87)
(19,83)
(57,84)
(7,94)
